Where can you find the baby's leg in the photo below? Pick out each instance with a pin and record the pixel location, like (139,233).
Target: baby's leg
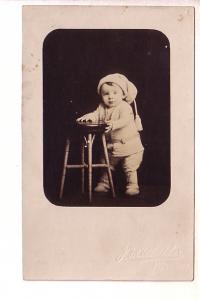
(103,184)
(130,165)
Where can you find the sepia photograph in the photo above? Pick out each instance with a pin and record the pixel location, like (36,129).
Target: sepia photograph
(106,110)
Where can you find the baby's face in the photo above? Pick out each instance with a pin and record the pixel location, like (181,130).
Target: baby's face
(111,95)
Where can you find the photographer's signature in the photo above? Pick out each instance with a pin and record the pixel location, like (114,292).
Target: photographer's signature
(132,253)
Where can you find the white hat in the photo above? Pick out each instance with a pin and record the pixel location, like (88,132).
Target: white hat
(128,88)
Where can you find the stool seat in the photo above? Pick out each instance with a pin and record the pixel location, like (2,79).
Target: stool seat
(91,127)
(88,131)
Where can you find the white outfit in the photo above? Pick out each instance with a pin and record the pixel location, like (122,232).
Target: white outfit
(123,141)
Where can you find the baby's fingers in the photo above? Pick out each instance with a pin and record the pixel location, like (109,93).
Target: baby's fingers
(108,128)
(81,120)
(84,119)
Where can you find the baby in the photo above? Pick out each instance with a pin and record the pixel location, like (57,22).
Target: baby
(122,131)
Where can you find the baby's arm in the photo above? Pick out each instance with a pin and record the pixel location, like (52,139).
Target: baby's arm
(93,116)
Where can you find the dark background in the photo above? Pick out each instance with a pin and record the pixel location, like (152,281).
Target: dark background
(73,63)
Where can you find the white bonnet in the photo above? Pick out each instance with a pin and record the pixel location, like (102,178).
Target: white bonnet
(128,88)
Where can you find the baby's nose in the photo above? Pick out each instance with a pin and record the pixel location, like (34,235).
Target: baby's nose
(110,96)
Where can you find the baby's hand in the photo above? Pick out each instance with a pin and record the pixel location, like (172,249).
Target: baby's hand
(109,126)
(85,118)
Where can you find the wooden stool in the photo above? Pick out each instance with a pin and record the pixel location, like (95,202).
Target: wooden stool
(88,131)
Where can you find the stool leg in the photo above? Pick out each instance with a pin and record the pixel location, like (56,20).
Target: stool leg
(108,165)
(64,167)
(90,166)
(83,168)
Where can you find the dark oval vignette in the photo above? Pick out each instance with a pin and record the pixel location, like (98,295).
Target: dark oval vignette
(73,62)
